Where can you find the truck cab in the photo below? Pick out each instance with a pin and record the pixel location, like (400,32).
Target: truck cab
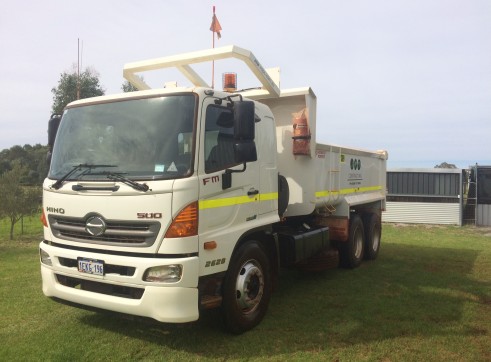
(146,193)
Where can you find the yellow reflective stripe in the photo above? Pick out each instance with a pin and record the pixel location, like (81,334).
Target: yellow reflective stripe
(353,190)
(268,197)
(230,201)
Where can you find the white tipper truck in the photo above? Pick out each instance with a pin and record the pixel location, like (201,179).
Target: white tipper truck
(163,202)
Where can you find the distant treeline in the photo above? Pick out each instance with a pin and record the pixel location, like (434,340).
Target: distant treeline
(32,158)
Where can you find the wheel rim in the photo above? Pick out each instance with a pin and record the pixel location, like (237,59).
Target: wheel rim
(358,244)
(249,286)
(376,240)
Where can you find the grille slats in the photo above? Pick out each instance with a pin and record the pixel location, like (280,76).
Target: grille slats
(117,233)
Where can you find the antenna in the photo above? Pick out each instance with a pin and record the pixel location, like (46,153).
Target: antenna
(78,68)
(82,55)
(79,64)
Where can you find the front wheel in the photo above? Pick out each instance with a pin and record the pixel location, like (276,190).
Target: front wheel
(246,289)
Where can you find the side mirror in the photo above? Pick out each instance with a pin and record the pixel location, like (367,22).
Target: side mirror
(245,151)
(53,125)
(244,122)
(244,133)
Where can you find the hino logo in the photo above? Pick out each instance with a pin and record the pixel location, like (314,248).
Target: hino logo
(55,210)
(95,226)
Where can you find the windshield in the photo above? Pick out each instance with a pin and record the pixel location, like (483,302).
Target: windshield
(151,138)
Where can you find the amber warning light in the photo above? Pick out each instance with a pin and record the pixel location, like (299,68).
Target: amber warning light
(229,82)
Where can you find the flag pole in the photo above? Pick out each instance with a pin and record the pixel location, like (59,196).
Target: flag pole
(215,28)
(213,61)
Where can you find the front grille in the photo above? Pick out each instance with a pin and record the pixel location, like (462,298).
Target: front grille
(117,233)
(101,288)
(108,268)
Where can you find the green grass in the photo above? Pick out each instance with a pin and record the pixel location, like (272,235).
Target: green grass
(426,298)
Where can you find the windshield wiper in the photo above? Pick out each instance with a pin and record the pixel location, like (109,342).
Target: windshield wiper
(87,167)
(119,177)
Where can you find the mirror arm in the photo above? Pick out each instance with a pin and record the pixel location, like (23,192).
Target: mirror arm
(227,177)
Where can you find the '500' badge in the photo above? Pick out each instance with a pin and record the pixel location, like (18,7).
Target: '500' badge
(149,215)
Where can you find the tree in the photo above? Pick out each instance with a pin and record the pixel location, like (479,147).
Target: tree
(128,87)
(445,165)
(16,200)
(66,91)
(31,157)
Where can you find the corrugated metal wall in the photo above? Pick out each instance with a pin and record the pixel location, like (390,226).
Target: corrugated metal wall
(483,215)
(483,184)
(422,213)
(483,195)
(424,196)
(424,182)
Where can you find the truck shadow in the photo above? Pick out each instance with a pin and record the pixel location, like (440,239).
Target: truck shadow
(408,291)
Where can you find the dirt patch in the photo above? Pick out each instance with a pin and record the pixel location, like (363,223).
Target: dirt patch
(486,231)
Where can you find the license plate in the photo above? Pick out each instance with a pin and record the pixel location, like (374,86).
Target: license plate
(91,266)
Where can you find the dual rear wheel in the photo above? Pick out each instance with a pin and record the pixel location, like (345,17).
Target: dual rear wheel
(363,240)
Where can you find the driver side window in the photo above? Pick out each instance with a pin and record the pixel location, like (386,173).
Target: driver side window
(219,139)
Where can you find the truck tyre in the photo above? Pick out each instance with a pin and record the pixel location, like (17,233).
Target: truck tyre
(373,235)
(246,289)
(351,251)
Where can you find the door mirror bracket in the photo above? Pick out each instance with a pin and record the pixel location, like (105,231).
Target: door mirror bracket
(227,176)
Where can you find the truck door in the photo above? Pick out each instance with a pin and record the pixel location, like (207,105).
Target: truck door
(224,214)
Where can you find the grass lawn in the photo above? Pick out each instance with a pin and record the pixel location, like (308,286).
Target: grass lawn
(426,298)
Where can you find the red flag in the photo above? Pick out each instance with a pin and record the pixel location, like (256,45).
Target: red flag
(215,26)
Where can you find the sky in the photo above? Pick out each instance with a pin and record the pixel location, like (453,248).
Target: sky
(412,77)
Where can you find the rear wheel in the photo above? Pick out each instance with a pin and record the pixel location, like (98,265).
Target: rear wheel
(246,289)
(373,235)
(351,251)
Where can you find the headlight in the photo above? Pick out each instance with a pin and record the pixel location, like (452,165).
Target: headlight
(163,274)
(45,258)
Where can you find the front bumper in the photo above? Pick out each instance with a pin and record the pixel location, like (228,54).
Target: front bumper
(122,288)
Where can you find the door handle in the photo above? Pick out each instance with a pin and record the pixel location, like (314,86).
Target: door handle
(252,192)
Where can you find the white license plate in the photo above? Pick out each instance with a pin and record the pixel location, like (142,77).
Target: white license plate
(91,266)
